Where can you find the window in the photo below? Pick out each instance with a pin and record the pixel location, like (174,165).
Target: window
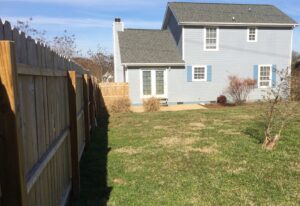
(252,35)
(199,73)
(264,76)
(211,39)
(146,82)
(153,83)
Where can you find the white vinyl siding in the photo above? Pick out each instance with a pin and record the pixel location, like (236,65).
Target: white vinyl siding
(199,73)
(211,39)
(264,76)
(252,35)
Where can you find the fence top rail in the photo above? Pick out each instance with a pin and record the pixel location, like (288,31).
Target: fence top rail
(34,53)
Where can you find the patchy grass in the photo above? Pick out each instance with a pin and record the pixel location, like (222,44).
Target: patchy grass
(199,157)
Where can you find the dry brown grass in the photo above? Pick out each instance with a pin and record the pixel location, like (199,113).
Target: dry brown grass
(151,105)
(205,150)
(128,150)
(120,105)
(120,181)
(176,141)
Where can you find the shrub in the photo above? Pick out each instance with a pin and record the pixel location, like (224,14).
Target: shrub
(151,105)
(239,89)
(120,105)
(222,100)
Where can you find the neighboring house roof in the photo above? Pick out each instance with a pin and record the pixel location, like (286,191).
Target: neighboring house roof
(228,13)
(140,46)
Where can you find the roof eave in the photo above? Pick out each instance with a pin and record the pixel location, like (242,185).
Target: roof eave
(153,64)
(237,24)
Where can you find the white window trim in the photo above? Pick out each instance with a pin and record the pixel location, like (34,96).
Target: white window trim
(248,33)
(217,39)
(270,77)
(205,73)
(153,84)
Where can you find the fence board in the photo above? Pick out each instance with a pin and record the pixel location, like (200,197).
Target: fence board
(45,167)
(12,177)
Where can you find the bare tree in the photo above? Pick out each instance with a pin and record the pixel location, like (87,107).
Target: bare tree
(65,45)
(25,26)
(278,109)
(103,59)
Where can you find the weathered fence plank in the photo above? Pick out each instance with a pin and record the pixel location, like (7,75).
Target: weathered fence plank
(73,133)
(12,177)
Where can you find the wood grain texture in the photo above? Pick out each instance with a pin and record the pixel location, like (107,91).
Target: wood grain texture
(73,133)
(12,175)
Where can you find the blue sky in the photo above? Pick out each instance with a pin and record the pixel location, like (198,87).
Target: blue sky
(91,20)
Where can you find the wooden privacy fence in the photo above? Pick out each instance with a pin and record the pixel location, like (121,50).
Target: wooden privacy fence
(47,108)
(113,91)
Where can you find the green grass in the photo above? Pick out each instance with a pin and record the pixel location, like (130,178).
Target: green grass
(200,157)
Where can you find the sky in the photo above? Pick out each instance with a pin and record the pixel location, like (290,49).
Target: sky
(91,20)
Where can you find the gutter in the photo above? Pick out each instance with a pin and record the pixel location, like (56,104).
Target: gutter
(152,64)
(187,23)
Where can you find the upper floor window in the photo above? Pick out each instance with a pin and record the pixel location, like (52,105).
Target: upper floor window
(252,35)
(211,41)
(265,76)
(199,73)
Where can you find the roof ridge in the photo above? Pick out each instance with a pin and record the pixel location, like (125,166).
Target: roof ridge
(186,2)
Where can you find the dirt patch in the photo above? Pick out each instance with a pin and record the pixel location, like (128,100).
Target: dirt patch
(229,131)
(128,150)
(176,141)
(119,181)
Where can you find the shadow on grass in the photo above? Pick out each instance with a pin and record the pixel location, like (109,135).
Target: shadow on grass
(93,167)
(256,131)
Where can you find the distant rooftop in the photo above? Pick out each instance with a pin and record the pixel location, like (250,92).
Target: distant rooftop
(228,13)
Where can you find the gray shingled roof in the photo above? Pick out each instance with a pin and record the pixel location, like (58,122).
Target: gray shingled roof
(148,46)
(217,12)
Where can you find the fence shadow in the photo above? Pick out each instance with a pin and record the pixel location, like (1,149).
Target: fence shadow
(93,166)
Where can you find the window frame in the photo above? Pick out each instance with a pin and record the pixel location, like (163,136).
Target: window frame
(217,39)
(153,83)
(248,34)
(270,76)
(205,73)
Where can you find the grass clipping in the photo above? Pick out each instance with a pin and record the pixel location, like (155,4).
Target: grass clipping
(151,105)
(120,105)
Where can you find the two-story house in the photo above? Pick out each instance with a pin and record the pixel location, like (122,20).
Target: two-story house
(199,45)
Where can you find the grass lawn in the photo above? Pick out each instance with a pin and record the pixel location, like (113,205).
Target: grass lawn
(202,157)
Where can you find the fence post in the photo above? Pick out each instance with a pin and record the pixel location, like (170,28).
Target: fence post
(92,103)
(86,100)
(12,177)
(73,133)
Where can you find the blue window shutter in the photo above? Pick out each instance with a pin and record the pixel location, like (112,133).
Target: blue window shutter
(274,71)
(255,74)
(209,73)
(189,73)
